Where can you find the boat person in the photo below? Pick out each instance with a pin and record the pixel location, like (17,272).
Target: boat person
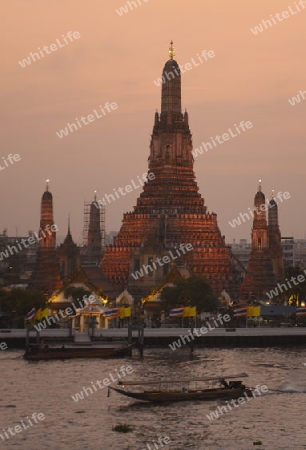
(224,384)
(232,384)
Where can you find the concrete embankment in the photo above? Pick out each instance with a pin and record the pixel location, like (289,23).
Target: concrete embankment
(163,337)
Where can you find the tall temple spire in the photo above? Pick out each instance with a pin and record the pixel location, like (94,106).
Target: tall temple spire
(94,232)
(46,220)
(171,140)
(46,276)
(259,277)
(69,233)
(260,227)
(170,211)
(171,108)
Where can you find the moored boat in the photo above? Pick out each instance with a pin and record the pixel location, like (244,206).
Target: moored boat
(41,351)
(182,390)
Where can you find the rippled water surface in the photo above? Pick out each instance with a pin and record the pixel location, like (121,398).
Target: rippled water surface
(277,420)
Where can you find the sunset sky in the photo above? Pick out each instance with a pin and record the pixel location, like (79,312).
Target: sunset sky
(116,59)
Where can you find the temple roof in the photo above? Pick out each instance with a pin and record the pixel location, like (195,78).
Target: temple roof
(68,241)
(91,278)
(176,273)
(96,277)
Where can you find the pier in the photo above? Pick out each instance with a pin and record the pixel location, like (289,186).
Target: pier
(163,337)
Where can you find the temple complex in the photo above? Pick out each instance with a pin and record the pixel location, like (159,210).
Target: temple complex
(46,275)
(170,212)
(265,267)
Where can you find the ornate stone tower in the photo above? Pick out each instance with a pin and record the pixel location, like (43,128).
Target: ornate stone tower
(260,239)
(94,232)
(170,211)
(68,255)
(259,277)
(275,247)
(46,276)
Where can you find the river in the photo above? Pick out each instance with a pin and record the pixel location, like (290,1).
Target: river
(272,421)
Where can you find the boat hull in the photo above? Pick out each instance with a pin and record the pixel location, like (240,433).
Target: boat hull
(72,353)
(205,394)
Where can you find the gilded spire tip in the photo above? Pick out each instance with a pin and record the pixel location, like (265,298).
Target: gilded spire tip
(259,185)
(47,184)
(171,50)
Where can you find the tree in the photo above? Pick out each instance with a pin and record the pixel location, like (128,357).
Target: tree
(21,301)
(295,289)
(76,293)
(194,291)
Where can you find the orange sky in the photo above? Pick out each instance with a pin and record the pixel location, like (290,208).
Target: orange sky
(116,59)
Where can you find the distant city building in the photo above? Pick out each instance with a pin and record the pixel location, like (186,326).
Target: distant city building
(288,247)
(16,262)
(294,251)
(242,251)
(299,254)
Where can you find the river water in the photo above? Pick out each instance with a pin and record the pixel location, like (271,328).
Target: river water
(276,420)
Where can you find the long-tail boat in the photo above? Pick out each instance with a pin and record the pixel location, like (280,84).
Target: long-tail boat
(181,390)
